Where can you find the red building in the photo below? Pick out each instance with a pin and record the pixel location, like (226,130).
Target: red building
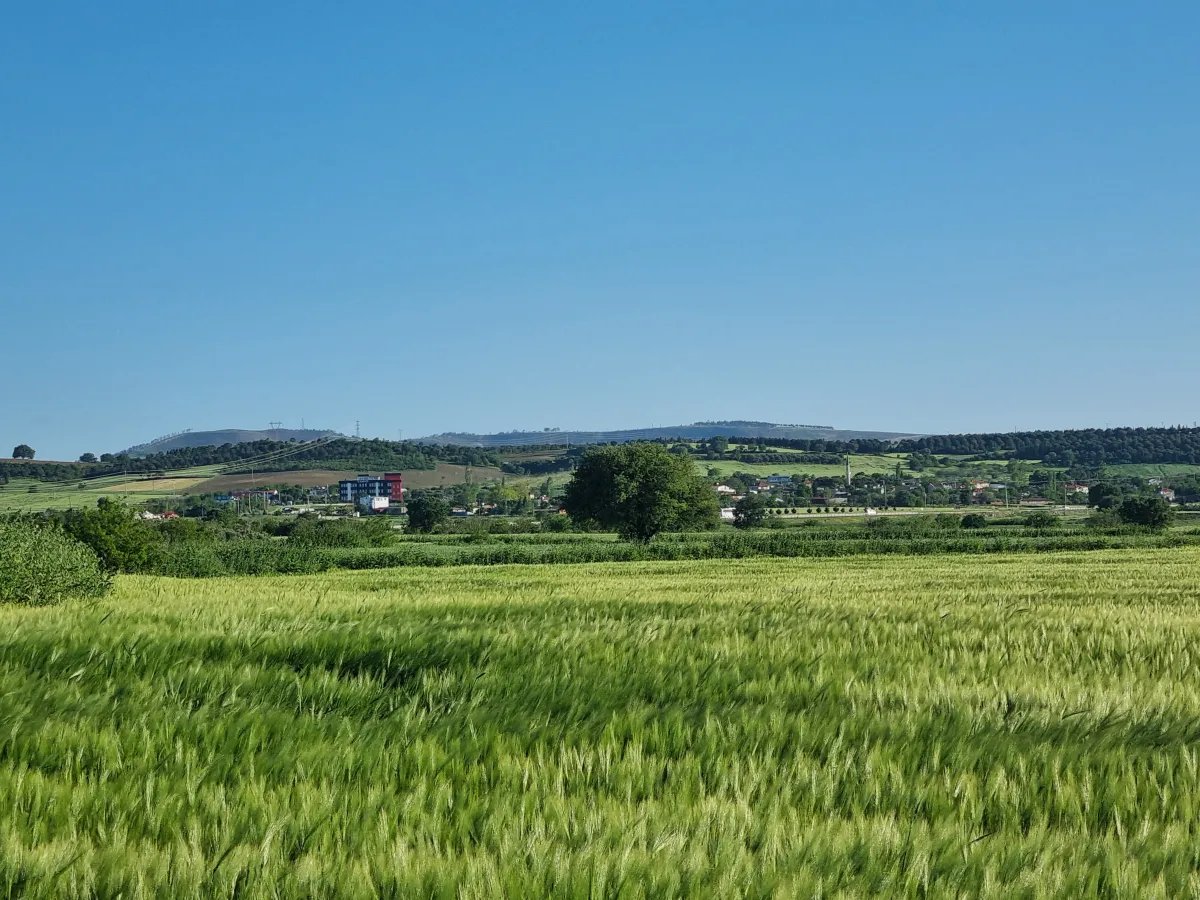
(395,486)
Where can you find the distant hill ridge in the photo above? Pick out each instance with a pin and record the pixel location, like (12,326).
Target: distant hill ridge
(695,431)
(185,439)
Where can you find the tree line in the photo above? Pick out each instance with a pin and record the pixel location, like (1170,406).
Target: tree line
(342,454)
(1089,447)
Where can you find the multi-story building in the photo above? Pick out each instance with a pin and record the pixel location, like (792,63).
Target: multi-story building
(390,486)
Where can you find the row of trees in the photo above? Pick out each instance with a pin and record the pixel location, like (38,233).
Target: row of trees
(1080,447)
(342,454)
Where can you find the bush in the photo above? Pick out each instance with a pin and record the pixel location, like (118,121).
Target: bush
(1042,519)
(974,520)
(123,543)
(556,524)
(39,565)
(371,532)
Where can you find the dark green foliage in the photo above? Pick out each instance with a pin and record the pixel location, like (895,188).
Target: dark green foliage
(426,511)
(556,524)
(23,451)
(639,490)
(123,542)
(1148,512)
(974,520)
(39,564)
(341,454)
(1104,496)
(749,511)
(1042,519)
(369,532)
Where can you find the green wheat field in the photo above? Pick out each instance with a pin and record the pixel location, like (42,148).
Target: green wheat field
(1002,726)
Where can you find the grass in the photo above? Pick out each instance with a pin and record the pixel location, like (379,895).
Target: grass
(930,727)
(899,537)
(1155,470)
(16,495)
(858,463)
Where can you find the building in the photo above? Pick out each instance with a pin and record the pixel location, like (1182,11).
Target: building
(369,504)
(778,480)
(390,486)
(264,495)
(1167,494)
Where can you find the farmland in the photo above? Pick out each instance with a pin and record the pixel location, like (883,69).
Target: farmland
(934,726)
(16,495)
(884,463)
(27,494)
(444,474)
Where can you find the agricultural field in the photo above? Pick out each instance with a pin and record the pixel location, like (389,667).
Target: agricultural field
(1153,470)
(444,475)
(1002,726)
(18,496)
(858,463)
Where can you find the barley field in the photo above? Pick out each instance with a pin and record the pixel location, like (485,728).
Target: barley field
(999,726)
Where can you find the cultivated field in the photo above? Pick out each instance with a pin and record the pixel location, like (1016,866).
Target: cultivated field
(858,463)
(443,475)
(1004,726)
(16,495)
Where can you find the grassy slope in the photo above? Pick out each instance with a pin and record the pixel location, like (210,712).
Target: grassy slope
(934,727)
(64,495)
(1150,470)
(867,464)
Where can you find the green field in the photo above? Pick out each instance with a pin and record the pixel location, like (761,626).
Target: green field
(858,463)
(1004,726)
(1155,470)
(16,495)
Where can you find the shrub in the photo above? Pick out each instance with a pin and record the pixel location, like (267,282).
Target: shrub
(1041,519)
(371,532)
(974,520)
(39,565)
(556,524)
(123,543)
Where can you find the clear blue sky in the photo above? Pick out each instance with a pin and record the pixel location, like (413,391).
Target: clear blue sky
(435,216)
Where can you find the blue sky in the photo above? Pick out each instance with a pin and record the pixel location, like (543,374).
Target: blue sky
(427,217)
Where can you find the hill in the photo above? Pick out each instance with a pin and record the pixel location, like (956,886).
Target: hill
(186,439)
(695,431)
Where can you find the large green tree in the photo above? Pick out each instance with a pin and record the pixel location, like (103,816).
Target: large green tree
(1104,496)
(639,490)
(426,511)
(23,451)
(750,511)
(1150,512)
